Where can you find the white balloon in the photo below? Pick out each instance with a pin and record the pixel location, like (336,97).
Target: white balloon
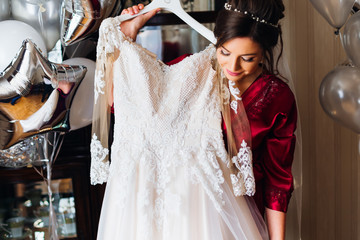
(43,15)
(81,109)
(4,10)
(13,33)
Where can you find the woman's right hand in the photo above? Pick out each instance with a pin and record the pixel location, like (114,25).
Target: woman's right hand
(132,26)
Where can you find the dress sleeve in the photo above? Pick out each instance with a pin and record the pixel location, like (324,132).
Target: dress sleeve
(103,83)
(278,154)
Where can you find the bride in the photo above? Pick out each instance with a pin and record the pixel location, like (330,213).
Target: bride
(172,174)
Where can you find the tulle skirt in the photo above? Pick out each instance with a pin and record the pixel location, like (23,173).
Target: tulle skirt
(183,212)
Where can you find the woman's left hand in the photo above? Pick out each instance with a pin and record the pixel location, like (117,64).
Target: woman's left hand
(132,26)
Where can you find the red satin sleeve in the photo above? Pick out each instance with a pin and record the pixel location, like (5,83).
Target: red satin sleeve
(177,60)
(272,114)
(278,158)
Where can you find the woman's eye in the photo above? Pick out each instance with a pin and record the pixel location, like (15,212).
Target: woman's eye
(225,53)
(248,59)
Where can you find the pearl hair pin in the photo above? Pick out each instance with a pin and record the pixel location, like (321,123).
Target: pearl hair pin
(228,7)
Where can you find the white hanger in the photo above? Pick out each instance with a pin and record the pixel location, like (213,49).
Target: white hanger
(174,6)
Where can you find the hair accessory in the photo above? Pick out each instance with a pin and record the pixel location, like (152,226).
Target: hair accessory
(228,6)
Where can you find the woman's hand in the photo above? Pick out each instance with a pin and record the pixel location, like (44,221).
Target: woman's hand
(132,26)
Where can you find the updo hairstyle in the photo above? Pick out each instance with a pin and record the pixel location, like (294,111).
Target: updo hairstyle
(231,24)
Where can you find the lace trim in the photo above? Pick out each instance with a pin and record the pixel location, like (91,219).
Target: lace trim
(244,181)
(108,39)
(170,204)
(99,84)
(269,91)
(99,169)
(235,92)
(225,94)
(277,199)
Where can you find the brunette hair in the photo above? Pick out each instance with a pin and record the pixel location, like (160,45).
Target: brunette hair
(246,21)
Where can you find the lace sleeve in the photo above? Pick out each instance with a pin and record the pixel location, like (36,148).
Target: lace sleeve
(99,149)
(243,181)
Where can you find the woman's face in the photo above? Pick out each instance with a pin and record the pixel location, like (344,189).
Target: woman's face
(239,59)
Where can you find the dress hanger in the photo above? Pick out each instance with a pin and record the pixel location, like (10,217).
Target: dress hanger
(174,6)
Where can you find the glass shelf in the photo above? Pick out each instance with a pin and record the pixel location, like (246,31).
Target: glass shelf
(24,210)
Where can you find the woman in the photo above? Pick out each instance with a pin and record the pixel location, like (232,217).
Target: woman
(247,33)
(242,60)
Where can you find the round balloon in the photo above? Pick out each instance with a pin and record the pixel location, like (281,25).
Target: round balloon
(4,10)
(339,96)
(81,110)
(335,12)
(13,33)
(43,15)
(351,38)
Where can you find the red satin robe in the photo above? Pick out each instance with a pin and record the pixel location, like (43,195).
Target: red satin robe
(271,109)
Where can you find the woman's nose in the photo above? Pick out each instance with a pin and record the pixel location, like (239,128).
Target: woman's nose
(235,64)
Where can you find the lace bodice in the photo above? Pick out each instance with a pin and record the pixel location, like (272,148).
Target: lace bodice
(165,117)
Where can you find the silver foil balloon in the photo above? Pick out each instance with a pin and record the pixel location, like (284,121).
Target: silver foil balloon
(35,95)
(81,18)
(351,38)
(335,12)
(4,10)
(43,15)
(339,96)
(23,153)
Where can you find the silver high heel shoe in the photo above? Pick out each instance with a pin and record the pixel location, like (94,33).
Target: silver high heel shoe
(35,95)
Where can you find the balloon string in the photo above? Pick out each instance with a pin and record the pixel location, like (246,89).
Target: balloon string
(40,18)
(59,138)
(52,215)
(72,55)
(56,145)
(341,39)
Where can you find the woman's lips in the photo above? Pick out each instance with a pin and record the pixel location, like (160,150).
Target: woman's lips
(232,73)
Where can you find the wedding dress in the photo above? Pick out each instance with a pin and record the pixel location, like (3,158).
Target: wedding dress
(169,176)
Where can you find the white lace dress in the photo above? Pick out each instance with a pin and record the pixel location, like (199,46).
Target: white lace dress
(168,177)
